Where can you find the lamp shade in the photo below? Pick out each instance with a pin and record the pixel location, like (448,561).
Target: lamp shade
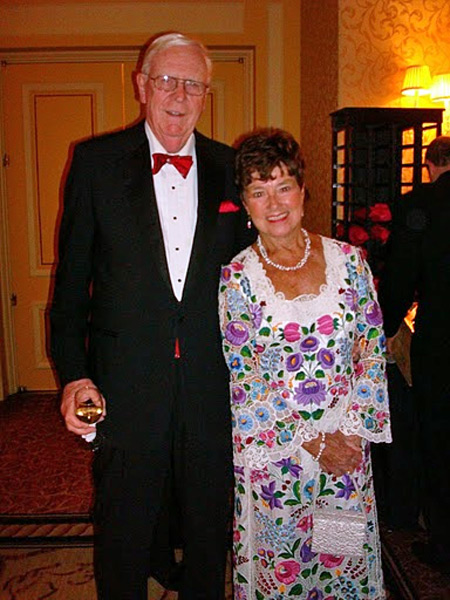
(440,88)
(417,81)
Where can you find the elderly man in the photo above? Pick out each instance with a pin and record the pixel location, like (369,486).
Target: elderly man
(418,267)
(150,215)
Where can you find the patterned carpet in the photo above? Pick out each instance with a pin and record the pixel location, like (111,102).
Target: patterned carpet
(45,474)
(408,578)
(59,574)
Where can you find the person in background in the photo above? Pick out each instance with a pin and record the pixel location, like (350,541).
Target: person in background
(303,339)
(150,214)
(418,268)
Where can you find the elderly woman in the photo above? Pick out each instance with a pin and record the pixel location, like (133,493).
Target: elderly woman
(302,336)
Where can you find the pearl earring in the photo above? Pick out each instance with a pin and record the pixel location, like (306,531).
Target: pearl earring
(249,222)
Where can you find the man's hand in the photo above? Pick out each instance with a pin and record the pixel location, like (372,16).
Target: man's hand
(390,345)
(69,405)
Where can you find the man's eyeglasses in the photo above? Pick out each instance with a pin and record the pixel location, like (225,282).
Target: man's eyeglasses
(167,83)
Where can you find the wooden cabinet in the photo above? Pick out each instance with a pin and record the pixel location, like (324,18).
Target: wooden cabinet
(377,155)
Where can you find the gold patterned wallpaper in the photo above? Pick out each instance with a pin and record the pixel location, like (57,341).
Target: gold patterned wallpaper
(380,38)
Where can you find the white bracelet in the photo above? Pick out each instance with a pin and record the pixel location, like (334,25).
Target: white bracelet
(321,447)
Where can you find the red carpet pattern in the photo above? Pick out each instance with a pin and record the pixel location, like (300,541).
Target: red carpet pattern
(45,472)
(413,580)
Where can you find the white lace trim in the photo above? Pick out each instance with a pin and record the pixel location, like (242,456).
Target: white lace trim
(310,305)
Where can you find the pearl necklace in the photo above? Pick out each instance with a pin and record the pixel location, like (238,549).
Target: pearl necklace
(296,267)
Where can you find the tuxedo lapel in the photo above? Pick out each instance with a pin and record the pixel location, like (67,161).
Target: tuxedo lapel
(208,175)
(139,192)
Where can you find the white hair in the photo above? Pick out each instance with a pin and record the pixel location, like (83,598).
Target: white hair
(169,40)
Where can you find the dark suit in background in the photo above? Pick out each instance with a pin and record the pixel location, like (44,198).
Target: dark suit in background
(115,322)
(418,268)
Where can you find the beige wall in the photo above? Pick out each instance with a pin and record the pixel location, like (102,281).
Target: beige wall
(272,27)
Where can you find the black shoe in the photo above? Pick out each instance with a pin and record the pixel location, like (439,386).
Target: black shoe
(433,555)
(171,578)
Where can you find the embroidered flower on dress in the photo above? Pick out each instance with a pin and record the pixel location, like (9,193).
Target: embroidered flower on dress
(235,300)
(309,344)
(285,436)
(235,363)
(363,391)
(225,274)
(310,391)
(262,414)
(315,594)
(306,554)
(279,403)
(245,422)
(294,362)
(330,561)
(287,571)
(305,523)
(346,487)
(287,465)
(256,312)
(325,324)
(351,298)
(238,395)
(236,332)
(291,332)
(373,313)
(326,358)
(239,592)
(270,495)
(271,359)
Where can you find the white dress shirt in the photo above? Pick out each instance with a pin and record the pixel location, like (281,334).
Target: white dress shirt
(177,202)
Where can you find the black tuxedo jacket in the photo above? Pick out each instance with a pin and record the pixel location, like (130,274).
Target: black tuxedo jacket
(418,266)
(114,317)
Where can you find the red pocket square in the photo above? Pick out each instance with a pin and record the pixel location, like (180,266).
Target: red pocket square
(227,206)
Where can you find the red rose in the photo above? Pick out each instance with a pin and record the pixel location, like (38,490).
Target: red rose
(380,213)
(357,235)
(360,214)
(380,233)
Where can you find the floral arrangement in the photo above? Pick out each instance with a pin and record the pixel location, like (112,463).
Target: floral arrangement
(369,229)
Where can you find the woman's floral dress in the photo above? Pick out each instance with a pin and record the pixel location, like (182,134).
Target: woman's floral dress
(300,367)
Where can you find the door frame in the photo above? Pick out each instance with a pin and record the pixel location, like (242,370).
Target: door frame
(242,54)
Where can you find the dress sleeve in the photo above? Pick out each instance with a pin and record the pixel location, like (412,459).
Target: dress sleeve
(368,410)
(237,327)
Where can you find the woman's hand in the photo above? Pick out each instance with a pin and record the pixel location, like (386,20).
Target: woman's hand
(341,454)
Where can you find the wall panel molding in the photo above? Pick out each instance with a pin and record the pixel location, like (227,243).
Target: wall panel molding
(39,266)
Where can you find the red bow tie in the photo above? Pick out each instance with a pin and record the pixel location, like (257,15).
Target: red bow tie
(182,163)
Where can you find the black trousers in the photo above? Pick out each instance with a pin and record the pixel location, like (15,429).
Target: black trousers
(431,386)
(396,466)
(135,496)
